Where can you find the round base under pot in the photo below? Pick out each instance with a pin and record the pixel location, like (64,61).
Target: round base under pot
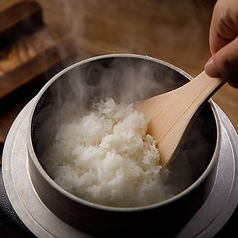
(216,209)
(207,204)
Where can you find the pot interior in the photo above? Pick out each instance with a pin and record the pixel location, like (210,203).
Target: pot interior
(127,79)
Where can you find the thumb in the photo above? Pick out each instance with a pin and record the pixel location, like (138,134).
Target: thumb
(224,63)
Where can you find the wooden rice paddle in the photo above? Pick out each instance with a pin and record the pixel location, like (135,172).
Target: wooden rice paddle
(171,112)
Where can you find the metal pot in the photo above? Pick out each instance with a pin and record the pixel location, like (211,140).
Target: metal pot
(59,213)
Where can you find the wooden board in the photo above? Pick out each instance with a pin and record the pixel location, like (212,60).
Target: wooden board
(30,54)
(21,19)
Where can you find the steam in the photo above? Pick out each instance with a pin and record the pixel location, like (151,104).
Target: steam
(129,80)
(174,31)
(125,79)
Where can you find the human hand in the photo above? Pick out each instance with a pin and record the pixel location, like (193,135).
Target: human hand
(224,42)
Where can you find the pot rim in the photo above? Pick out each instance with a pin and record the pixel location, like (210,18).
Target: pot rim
(57,187)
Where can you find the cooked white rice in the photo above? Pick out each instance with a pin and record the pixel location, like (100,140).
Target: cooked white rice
(106,157)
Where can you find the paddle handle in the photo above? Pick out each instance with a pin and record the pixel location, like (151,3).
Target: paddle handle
(203,87)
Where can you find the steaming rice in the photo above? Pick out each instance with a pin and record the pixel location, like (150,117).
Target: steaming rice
(106,157)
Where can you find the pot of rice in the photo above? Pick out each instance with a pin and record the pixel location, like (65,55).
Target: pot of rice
(92,163)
